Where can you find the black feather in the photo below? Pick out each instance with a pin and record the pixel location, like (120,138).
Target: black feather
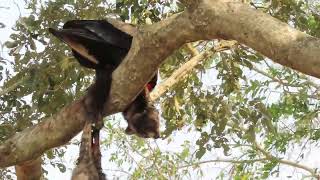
(105,53)
(103,30)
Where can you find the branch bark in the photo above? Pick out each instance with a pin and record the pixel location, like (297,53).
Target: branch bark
(186,68)
(221,19)
(312,171)
(233,161)
(29,170)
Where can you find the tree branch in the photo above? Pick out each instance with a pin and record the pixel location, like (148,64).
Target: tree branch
(186,68)
(13,86)
(269,156)
(29,170)
(274,79)
(52,132)
(223,161)
(312,171)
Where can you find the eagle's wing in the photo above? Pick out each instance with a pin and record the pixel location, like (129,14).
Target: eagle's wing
(103,30)
(95,43)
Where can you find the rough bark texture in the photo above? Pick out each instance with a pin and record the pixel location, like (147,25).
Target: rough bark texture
(53,132)
(29,170)
(206,19)
(260,31)
(150,47)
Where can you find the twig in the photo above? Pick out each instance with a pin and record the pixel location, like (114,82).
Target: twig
(224,161)
(186,68)
(12,87)
(280,81)
(118,170)
(269,156)
(192,50)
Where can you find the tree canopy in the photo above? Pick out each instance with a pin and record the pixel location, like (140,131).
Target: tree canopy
(231,103)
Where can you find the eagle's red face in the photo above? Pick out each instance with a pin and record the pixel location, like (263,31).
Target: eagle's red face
(152,83)
(150,86)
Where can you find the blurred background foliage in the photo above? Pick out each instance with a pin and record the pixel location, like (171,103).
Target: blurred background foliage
(237,115)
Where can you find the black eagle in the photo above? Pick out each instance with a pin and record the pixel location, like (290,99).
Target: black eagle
(98,45)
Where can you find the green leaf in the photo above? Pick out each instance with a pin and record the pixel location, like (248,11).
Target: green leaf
(200,152)
(61,167)
(11,44)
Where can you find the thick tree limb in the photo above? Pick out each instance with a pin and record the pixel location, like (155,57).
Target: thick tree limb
(267,35)
(53,132)
(29,170)
(211,20)
(150,47)
(152,44)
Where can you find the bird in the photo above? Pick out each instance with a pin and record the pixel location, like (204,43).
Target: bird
(97,44)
